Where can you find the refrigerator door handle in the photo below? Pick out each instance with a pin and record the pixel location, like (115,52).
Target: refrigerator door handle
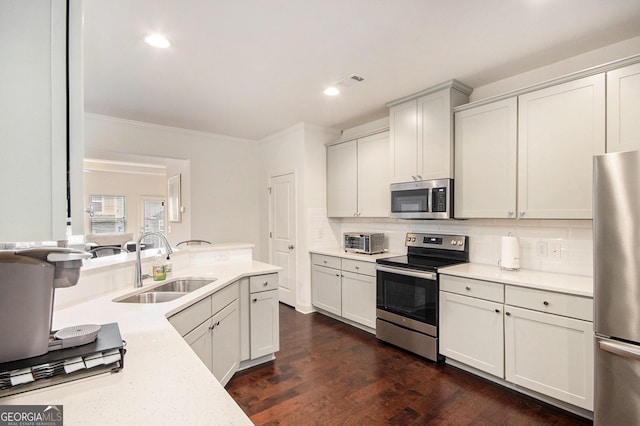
(620,349)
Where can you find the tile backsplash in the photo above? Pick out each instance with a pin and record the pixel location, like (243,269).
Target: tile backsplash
(561,246)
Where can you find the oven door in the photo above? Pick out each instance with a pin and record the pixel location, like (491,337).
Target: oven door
(408,294)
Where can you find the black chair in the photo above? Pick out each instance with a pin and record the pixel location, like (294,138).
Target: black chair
(193,242)
(102,251)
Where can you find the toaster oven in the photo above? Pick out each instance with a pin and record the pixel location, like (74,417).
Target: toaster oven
(364,243)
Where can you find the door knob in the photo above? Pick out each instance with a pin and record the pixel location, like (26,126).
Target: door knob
(290,247)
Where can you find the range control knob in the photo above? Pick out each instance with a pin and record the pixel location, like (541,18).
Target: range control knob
(453,242)
(413,239)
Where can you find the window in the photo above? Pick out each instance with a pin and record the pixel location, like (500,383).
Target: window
(110,214)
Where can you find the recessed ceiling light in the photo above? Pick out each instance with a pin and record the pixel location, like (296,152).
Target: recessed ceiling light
(331,91)
(157,40)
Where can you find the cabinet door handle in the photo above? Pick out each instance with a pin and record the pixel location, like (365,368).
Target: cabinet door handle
(521,213)
(414,178)
(508,314)
(468,288)
(337,275)
(266,283)
(545,303)
(357,268)
(212,326)
(497,311)
(290,247)
(255,300)
(419,177)
(510,213)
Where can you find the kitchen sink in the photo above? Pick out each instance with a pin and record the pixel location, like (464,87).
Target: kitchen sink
(152,297)
(168,291)
(182,285)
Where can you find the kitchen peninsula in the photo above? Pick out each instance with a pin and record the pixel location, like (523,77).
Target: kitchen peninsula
(163,379)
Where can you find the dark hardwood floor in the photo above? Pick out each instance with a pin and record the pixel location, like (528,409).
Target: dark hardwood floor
(330,373)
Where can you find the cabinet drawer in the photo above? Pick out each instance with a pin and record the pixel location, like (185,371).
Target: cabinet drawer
(222,298)
(328,261)
(359,267)
(189,318)
(474,288)
(263,283)
(554,303)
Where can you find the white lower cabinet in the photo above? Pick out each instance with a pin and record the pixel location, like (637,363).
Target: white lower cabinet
(344,287)
(550,354)
(211,327)
(264,315)
(471,331)
(326,289)
(217,342)
(359,298)
(538,340)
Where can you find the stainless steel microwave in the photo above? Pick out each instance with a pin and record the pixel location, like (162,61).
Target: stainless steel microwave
(425,199)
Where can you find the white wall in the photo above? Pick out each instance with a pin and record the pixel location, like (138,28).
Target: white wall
(570,65)
(299,149)
(224,192)
(574,236)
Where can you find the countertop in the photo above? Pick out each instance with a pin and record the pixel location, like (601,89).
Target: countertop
(163,381)
(561,283)
(339,252)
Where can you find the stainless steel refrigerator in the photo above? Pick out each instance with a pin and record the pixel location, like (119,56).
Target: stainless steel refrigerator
(617,288)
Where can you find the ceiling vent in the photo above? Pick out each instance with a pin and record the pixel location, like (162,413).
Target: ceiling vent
(350,81)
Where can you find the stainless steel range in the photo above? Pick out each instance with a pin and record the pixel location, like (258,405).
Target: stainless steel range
(408,289)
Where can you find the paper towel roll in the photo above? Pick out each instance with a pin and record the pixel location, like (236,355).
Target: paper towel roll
(510,253)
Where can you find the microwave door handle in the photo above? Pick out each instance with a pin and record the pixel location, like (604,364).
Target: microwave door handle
(620,349)
(429,200)
(416,274)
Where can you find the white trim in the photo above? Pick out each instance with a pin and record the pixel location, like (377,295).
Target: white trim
(172,129)
(451,84)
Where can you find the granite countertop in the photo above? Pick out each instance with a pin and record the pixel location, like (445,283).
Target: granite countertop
(561,283)
(163,381)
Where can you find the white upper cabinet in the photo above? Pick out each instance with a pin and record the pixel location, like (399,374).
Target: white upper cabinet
(358,177)
(342,179)
(623,109)
(560,129)
(373,176)
(531,156)
(486,143)
(422,133)
(33,116)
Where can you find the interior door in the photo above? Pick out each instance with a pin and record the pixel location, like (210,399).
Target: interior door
(282,233)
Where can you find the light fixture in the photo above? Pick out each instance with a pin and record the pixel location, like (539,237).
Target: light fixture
(157,40)
(331,91)
(344,83)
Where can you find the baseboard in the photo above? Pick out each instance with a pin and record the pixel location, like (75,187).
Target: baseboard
(544,398)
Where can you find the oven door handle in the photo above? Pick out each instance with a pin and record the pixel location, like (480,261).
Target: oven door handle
(408,272)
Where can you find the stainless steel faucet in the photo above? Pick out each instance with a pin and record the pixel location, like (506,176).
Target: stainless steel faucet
(138,278)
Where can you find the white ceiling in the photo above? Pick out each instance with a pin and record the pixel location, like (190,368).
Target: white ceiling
(249,68)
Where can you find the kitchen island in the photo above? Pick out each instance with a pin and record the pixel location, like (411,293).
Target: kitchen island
(163,381)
